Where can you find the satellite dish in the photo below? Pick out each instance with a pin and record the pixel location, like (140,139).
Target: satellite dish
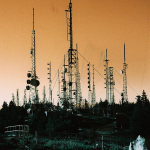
(70,83)
(28,75)
(28,81)
(35,82)
(65,69)
(121,71)
(28,87)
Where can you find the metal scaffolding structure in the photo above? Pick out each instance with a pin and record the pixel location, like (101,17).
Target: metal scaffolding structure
(17,130)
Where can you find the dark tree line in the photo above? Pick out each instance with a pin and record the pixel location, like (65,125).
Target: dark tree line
(11,115)
(140,123)
(63,120)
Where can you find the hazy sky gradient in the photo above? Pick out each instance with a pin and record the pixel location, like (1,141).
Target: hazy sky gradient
(97,25)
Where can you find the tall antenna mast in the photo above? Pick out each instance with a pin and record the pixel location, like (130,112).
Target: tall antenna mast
(93,92)
(124,93)
(71,54)
(107,78)
(64,82)
(34,83)
(78,85)
(58,92)
(24,98)
(13,98)
(50,82)
(112,83)
(124,53)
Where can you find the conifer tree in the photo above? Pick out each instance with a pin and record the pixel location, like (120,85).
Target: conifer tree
(144,99)
(141,116)
(137,122)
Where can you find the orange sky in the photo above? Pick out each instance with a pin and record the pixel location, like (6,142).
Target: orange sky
(97,25)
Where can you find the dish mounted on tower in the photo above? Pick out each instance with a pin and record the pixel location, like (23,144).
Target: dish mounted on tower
(34,83)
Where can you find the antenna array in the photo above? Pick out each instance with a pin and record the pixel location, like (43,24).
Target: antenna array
(34,83)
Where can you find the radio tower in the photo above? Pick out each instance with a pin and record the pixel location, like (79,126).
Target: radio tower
(112,83)
(89,84)
(58,92)
(64,88)
(13,98)
(50,83)
(78,85)
(24,98)
(17,97)
(34,83)
(107,78)
(124,93)
(71,55)
(93,92)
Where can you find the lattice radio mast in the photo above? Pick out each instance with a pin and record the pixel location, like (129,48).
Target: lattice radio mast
(89,83)
(64,98)
(34,83)
(78,84)
(107,77)
(50,83)
(93,92)
(112,83)
(58,92)
(24,98)
(71,54)
(13,98)
(124,93)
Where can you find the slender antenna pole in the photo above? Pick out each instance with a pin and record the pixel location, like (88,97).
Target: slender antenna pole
(33,18)
(106,53)
(124,53)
